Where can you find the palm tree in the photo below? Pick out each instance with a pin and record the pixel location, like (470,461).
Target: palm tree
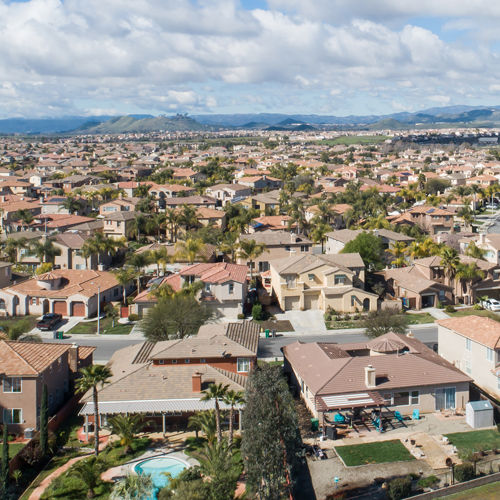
(467,274)
(124,276)
(449,261)
(249,251)
(45,250)
(25,216)
(133,487)
(228,245)
(138,224)
(100,244)
(161,257)
(217,392)
(92,377)
(89,471)
(71,204)
(205,422)
(233,398)
(399,251)
(11,247)
(188,217)
(126,427)
(139,261)
(172,221)
(474,251)
(190,249)
(319,232)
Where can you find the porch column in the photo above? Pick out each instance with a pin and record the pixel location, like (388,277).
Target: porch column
(87,427)
(239,420)
(164,423)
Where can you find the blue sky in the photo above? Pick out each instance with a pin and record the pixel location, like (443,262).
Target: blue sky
(246,56)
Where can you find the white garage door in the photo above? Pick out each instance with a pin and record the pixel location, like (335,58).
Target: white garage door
(292,303)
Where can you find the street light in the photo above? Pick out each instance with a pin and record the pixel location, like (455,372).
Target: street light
(98,310)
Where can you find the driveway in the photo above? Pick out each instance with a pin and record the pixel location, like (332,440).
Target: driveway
(64,326)
(305,322)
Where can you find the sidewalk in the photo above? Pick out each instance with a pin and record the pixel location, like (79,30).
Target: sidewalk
(434,312)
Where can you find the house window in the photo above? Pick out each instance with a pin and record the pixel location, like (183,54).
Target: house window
(468,344)
(415,397)
(115,291)
(187,361)
(263,266)
(161,361)
(387,398)
(287,248)
(304,248)
(467,366)
(310,277)
(489,354)
(203,360)
(340,279)
(207,287)
(12,384)
(13,416)
(174,361)
(243,365)
(290,281)
(401,398)
(231,288)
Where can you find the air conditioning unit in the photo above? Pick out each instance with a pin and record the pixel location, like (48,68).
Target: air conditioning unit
(29,433)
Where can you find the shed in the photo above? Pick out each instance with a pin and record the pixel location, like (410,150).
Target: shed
(479,414)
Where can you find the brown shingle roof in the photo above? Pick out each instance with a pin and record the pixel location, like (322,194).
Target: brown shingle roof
(485,331)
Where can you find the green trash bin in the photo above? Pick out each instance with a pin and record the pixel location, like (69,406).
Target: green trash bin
(314,424)
(267,333)
(60,335)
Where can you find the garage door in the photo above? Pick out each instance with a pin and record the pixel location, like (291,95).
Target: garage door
(291,303)
(311,301)
(78,309)
(60,307)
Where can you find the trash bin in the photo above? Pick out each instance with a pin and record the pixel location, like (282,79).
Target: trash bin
(314,424)
(60,335)
(274,333)
(267,333)
(54,334)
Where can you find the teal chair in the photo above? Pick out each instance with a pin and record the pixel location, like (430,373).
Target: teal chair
(398,416)
(415,415)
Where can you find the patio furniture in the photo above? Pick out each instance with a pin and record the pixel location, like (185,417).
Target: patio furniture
(398,416)
(339,418)
(415,415)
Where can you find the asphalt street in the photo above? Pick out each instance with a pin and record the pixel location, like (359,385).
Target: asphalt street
(268,348)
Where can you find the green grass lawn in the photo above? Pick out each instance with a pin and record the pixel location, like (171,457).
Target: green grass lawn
(14,448)
(26,322)
(420,319)
(413,319)
(485,492)
(355,139)
(374,453)
(471,311)
(90,327)
(475,440)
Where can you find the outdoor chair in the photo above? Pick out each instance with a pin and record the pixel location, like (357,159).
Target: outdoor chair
(415,415)
(398,416)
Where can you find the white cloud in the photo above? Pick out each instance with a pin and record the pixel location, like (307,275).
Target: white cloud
(160,55)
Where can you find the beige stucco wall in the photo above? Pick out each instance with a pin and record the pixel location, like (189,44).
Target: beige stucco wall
(452,347)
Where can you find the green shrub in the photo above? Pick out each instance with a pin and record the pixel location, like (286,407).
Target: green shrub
(257,313)
(133,317)
(464,472)
(241,316)
(428,482)
(449,309)
(477,307)
(399,488)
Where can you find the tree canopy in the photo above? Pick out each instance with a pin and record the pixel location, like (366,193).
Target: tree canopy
(378,323)
(369,248)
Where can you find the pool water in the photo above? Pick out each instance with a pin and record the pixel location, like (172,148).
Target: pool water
(156,467)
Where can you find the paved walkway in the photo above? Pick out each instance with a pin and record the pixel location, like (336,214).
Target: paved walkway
(434,312)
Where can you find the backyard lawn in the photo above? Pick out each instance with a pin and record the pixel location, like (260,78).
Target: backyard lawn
(374,453)
(485,492)
(471,311)
(90,327)
(487,439)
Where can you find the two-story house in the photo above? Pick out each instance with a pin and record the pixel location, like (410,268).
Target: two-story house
(118,225)
(228,193)
(472,344)
(320,282)
(124,204)
(25,367)
(70,244)
(164,380)
(279,244)
(224,287)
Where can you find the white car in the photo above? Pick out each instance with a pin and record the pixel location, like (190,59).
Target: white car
(492,207)
(491,304)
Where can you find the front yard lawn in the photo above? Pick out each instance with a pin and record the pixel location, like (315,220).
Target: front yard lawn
(374,453)
(471,311)
(25,323)
(487,439)
(90,328)
(413,319)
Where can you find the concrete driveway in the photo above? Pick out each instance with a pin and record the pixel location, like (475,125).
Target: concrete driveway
(305,322)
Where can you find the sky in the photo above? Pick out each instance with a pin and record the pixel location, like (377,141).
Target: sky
(336,57)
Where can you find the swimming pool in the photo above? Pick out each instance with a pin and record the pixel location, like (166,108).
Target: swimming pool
(157,466)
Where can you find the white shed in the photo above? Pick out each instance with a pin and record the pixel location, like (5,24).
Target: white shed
(479,414)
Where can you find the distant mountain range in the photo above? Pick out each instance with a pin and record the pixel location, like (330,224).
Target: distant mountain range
(450,116)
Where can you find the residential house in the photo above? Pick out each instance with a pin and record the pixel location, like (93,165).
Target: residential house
(70,244)
(210,217)
(68,292)
(272,223)
(389,373)
(123,204)
(336,214)
(224,287)
(305,282)
(260,183)
(164,380)
(72,182)
(228,193)
(25,367)
(430,219)
(118,225)
(472,344)
(279,244)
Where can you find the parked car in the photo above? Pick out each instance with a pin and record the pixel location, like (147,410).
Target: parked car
(491,305)
(493,206)
(49,321)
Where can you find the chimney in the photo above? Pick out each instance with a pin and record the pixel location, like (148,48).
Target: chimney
(196,379)
(73,358)
(370,378)
(293,237)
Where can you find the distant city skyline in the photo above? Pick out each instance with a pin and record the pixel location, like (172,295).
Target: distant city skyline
(330,57)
